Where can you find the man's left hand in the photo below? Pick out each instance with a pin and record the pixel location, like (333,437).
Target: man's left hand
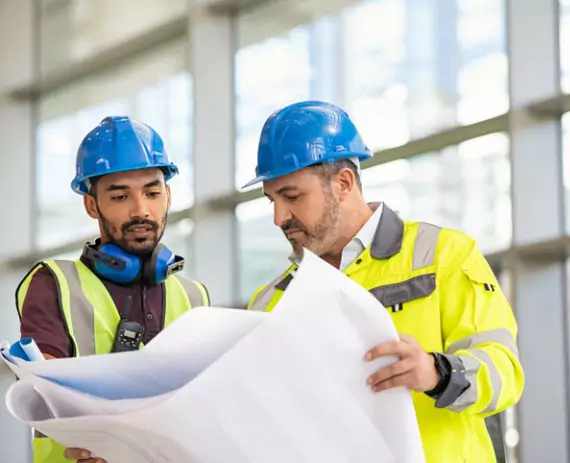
(415,368)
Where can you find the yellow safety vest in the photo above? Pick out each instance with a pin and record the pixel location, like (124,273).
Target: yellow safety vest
(439,288)
(91,319)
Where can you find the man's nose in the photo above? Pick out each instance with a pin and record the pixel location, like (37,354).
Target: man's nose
(140,209)
(281,214)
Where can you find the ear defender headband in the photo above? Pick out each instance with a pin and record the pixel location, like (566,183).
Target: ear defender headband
(121,267)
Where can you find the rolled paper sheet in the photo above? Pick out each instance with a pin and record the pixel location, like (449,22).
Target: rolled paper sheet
(24,350)
(31,349)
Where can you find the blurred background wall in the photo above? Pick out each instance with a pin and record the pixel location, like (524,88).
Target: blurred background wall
(463,101)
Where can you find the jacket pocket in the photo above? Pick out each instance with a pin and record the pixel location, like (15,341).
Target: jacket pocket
(480,275)
(405,291)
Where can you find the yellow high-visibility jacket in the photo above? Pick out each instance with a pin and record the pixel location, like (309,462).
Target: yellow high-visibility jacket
(440,289)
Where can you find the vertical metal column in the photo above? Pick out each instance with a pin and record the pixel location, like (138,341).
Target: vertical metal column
(325,43)
(538,214)
(212,44)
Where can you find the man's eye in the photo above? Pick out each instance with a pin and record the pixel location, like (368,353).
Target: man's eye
(293,198)
(119,198)
(154,194)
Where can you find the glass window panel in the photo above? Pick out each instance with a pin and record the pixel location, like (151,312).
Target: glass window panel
(263,250)
(166,106)
(465,187)
(416,66)
(74,30)
(154,88)
(483,74)
(270,19)
(375,32)
(269,75)
(402,69)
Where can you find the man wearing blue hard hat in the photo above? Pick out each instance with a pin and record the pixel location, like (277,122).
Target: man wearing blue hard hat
(125,286)
(457,350)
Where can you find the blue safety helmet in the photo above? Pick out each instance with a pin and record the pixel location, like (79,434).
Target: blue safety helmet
(303,134)
(118,144)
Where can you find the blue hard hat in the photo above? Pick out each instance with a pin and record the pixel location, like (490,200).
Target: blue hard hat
(303,134)
(118,144)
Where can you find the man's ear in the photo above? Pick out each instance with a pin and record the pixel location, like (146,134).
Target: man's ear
(347,182)
(90,204)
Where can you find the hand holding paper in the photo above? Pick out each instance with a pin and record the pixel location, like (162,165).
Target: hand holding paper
(415,369)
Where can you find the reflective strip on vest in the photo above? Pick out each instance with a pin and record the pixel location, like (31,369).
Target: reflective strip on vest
(472,363)
(264,297)
(475,360)
(196,292)
(82,317)
(497,336)
(425,245)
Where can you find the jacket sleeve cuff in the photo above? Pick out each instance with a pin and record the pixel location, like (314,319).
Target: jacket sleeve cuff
(457,385)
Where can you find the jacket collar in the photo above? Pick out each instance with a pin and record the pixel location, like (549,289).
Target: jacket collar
(388,236)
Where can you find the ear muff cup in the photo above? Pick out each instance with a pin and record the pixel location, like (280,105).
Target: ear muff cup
(114,264)
(155,269)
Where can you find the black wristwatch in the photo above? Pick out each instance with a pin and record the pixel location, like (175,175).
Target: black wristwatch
(443,367)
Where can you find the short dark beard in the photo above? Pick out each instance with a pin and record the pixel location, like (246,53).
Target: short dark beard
(322,237)
(123,243)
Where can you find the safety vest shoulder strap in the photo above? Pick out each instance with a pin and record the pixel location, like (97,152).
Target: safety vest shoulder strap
(196,291)
(68,288)
(94,313)
(425,245)
(182,294)
(81,293)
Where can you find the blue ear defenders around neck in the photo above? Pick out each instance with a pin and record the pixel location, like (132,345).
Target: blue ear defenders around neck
(119,266)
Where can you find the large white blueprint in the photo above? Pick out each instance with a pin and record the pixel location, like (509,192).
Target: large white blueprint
(224,385)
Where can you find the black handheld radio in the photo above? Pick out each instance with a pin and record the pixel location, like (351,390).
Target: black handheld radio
(129,334)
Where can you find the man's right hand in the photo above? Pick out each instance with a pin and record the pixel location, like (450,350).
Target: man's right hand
(81,456)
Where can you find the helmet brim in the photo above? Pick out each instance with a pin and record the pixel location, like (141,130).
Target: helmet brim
(79,186)
(263,178)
